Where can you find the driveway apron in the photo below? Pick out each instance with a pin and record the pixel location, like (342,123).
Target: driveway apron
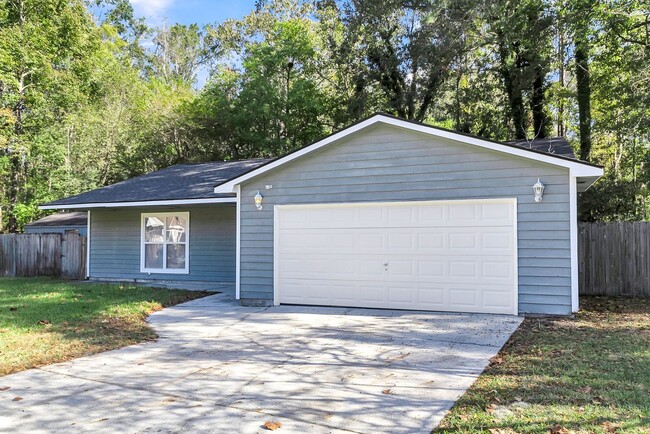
(219,367)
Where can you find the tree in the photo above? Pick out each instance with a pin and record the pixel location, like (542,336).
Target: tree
(520,32)
(44,67)
(582,13)
(274,105)
(409,47)
(180,50)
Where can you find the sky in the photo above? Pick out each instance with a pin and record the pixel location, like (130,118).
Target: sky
(191,11)
(156,12)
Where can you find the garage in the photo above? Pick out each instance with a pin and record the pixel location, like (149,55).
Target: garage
(456,256)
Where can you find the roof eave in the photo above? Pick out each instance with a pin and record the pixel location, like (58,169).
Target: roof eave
(578,168)
(173,202)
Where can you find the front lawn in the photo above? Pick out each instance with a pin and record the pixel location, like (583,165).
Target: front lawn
(45,321)
(590,374)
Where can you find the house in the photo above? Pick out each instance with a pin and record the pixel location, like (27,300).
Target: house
(59,223)
(386,213)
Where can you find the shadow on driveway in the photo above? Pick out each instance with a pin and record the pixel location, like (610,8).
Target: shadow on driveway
(220,367)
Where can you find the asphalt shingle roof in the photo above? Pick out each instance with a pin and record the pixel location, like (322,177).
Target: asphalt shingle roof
(62,219)
(553,145)
(182,181)
(197,181)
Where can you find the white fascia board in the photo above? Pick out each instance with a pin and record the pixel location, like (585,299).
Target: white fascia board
(141,204)
(88,244)
(238,247)
(577,168)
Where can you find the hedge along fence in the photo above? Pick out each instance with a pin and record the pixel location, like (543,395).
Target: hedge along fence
(53,255)
(614,258)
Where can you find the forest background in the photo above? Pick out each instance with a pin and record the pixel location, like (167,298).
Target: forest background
(90,94)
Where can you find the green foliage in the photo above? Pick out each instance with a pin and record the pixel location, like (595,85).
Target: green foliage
(84,104)
(274,107)
(626,200)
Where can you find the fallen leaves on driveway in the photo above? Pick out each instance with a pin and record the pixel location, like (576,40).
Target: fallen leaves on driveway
(272,426)
(2,389)
(387,392)
(18,398)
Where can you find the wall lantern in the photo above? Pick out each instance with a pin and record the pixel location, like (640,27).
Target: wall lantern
(538,188)
(258,200)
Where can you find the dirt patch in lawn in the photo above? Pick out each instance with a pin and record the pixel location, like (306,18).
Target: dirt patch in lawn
(585,374)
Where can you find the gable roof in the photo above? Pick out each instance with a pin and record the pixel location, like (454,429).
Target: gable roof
(61,219)
(179,184)
(552,145)
(578,168)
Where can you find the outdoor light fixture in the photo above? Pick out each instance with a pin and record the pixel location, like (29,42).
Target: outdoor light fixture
(538,188)
(258,200)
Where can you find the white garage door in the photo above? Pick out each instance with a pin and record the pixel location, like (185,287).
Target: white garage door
(455,256)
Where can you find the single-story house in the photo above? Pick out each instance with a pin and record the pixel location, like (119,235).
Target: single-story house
(59,223)
(385,213)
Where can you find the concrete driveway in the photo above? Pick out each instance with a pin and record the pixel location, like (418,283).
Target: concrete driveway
(219,367)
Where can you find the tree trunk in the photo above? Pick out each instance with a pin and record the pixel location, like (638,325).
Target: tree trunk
(516,102)
(540,122)
(583,96)
(512,85)
(561,61)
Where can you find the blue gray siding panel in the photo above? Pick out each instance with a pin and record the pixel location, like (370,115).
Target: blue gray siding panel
(54,229)
(115,244)
(386,164)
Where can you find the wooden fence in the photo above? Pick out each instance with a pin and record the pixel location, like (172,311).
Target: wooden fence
(54,255)
(614,258)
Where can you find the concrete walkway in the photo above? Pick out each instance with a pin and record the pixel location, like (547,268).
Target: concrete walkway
(222,368)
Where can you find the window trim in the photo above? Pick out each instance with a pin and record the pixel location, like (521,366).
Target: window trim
(164,270)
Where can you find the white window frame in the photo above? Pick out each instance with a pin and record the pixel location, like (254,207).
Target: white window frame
(165,270)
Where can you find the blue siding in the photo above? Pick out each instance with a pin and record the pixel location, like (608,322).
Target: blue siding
(54,229)
(115,244)
(386,163)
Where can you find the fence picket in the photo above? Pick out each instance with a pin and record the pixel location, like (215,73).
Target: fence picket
(52,255)
(614,258)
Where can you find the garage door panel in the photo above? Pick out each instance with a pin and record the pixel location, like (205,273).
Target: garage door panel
(296,291)
(464,212)
(375,295)
(496,299)
(406,268)
(431,297)
(430,267)
(397,215)
(463,297)
(461,269)
(454,257)
(496,215)
(414,240)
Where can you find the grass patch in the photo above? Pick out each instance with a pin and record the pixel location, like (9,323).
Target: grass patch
(45,321)
(590,374)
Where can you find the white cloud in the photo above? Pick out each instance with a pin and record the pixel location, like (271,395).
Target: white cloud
(151,7)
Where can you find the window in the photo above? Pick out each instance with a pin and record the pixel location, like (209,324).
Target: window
(165,243)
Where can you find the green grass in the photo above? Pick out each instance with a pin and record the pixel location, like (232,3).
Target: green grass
(45,321)
(589,374)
